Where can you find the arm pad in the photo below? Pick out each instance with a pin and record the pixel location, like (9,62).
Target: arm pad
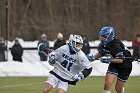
(86,72)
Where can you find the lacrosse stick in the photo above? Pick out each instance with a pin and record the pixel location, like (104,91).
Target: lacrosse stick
(47,51)
(134,58)
(71,75)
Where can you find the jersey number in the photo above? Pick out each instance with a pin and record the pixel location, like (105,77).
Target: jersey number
(66,64)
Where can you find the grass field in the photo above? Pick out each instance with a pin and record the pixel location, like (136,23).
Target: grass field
(35,85)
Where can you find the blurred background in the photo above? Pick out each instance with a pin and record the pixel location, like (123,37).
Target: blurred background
(28,19)
(24,24)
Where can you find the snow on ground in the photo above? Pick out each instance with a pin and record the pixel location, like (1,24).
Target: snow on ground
(12,68)
(32,66)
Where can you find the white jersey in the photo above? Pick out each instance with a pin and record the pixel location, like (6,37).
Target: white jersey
(72,62)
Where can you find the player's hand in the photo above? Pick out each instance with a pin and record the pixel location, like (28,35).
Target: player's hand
(78,77)
(52,59)
(106,59)
(91,57)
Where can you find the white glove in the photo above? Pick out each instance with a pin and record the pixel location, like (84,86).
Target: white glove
(52,59)
(78,77)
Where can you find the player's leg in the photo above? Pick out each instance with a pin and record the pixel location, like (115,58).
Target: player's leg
(59,90)
(50,83)
(123,75)
(62,87)
(108,82)
(119,86)
(47,88)
(110,77)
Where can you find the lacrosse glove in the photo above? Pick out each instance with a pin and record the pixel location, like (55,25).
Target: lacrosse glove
(91,57)
(78,77)
(52,59)
(106,59)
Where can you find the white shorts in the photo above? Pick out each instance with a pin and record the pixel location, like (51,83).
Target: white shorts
(54,81)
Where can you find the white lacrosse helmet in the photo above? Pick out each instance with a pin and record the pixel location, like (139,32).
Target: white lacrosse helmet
(76,42)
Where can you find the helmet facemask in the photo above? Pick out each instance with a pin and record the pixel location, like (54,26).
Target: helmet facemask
(76,42)
(77,46)
(103,38)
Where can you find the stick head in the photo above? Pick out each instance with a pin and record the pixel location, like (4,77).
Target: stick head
(44,48)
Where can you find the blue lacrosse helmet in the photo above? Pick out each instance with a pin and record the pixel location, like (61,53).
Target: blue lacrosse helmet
(106,34)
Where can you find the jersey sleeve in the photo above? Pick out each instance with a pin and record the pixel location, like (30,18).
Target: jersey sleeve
(101,49)
(56,52)
(83,60)
(118,49)
(86,65)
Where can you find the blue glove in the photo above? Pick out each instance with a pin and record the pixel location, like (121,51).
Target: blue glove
(106,59)
(52,59)
(91,57)
(78,77)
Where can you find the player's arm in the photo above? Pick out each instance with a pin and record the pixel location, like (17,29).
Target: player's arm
(97,55)
(86,72)
(115,60)
(106,59)
(82,75)
(110,59)
(119,55)
(92,57)
(52,58)
(87,65)
(87,68)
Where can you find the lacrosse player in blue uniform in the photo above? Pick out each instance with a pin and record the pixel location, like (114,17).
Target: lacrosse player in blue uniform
(70,65)
(113,51)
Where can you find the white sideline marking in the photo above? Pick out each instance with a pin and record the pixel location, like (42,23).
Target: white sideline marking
(17,85)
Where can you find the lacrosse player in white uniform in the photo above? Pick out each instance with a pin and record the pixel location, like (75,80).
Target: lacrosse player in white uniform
(70,65)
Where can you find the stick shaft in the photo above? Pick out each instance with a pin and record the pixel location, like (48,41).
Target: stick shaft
(72,76)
